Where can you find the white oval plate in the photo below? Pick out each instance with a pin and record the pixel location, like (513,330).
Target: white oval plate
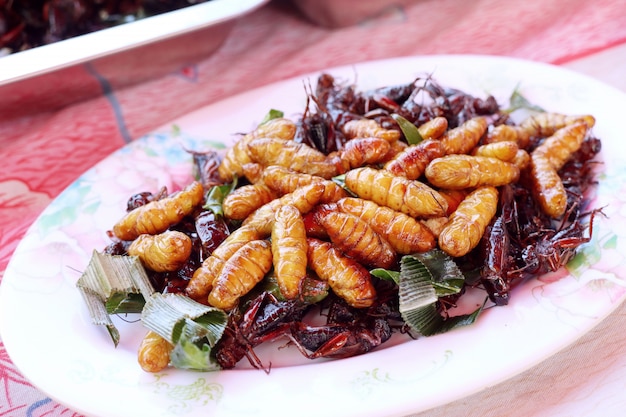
(48,334)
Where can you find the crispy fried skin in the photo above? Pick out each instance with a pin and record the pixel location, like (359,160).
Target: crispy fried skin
(157,216)
(167,251)
(346,277)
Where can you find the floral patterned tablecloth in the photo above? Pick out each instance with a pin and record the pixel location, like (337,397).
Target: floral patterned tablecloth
(43,153)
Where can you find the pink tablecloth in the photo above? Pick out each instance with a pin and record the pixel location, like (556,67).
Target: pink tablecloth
(43,153)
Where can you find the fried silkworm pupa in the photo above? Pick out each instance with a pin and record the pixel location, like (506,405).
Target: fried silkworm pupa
(296,156)
(359,152)
(243,201)
(356,238)
(412,161)
(466,171)
(237,155)
(240,273)
(405,234)
(401,194)
(462,139)
(157,216)
(363,128)
(504,151)
(547,123)
(559,147)
(284,180)
(507,133)
(467,224)
(154,353)
(434,128)
(303,198)
(345,276)
(545,161)
(201,282)
(289,251)
(165,252)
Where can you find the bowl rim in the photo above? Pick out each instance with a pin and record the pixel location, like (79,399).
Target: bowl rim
(48,58)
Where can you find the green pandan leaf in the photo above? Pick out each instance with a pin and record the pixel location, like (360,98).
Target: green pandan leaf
(418,298)
(386,274)
(216,195)
(191,327)
(113,284)
(447,277)
(411,134)
(518,102)
(271,115)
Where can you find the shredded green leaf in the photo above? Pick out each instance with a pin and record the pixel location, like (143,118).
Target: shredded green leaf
(517,102)
(272,114)
(113,284)
(411,134)
(418,297)
(386,274)
(191,327)
(447,277)
(216,195)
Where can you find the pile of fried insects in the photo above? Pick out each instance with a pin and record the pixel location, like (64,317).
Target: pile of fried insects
(373,213)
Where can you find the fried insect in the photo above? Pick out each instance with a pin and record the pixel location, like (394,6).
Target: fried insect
(237,156)
(154,353)
(405,234)
(345,276)
(363,128)
(202,280)
(356,238)
(359,152)
(559,147)
(284,180)
(412,161)
(521,160)
(167,251)
(244,200)
(289,251)
(504,151)
(157,216)
(545,161)
(434,128)
(467,224)
(253,172)
(303,198)
(240,273)
(462,139)
(407,196)
(467,171)
(547,123)
(293,155)
(547,187)
(507,133)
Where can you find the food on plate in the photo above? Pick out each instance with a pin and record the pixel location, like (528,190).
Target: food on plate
(454,172)
(167,251)
(28,24)
(158,215)
(371,214)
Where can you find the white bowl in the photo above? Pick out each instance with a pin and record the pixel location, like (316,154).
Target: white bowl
(51,76)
